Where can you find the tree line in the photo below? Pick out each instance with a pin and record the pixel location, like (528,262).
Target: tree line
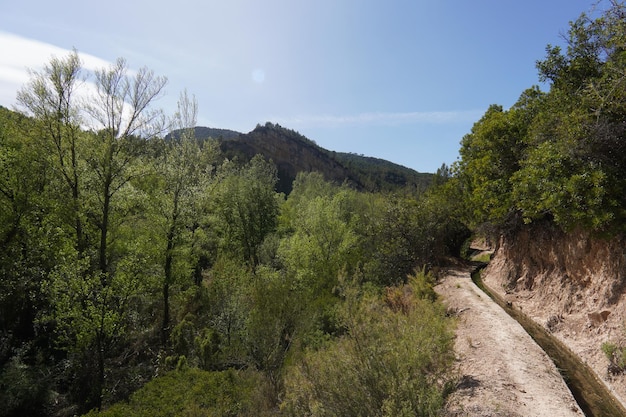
(559,155)
(128,259)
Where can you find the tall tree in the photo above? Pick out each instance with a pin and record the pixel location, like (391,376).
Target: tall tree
(29,241)
(323,242)
(247,207)
(491,154)
(185,169)
(90,297)
(50,96)
(122,114)
(574,170)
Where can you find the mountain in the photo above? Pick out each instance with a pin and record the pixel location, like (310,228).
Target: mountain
(222,134)
(293,153)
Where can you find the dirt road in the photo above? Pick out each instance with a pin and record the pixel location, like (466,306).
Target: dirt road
(503,371)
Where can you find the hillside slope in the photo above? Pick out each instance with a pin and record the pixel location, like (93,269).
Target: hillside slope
(293,153)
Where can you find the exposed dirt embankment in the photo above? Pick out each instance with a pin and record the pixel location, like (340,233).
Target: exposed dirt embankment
(571,283)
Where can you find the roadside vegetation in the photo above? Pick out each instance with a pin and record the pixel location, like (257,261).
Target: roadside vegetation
(557,158)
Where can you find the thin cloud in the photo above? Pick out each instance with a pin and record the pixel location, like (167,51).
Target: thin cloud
(383,119)
(21,54)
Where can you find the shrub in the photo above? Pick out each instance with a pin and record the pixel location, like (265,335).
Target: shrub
(388,363)
(193,392)
(616,356)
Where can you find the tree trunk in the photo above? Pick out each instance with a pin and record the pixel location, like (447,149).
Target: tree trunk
(165,327)
(169,258)
(104,229)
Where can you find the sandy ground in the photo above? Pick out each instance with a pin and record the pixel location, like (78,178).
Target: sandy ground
(502,371)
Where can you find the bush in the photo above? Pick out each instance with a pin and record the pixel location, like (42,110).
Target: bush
(193,392)
(616,356)
(388,363)
(23,391)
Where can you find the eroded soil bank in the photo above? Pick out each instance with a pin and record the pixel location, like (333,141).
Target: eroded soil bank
(573,284)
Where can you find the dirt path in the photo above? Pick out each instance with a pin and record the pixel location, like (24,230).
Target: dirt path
(504,372)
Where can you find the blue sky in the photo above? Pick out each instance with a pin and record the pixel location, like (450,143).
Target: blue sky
(394,79)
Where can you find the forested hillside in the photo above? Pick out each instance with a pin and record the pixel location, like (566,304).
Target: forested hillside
(135,265)
(294,153)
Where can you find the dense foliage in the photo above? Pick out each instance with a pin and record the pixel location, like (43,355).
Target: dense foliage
(558,154)
(379,175)
(394,356)
(126,258)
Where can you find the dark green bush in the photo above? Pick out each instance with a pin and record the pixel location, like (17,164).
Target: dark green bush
(193,392)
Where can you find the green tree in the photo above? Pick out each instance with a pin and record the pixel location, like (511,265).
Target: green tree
(323,243)
(573,172)
(184,170)
(554,182)
(306,186)
(491,154)
(122,113)
(393,241)
(50,97)
(91,317)
(29,241)
(247,207)
(274,322)
(89,296)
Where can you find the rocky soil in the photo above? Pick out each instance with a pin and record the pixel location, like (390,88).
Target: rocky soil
(502,371)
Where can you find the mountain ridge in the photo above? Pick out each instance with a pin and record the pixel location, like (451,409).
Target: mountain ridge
(292,153)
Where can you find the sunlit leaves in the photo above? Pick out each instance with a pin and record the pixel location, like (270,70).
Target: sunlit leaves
(557,155)
(88,308)
(573,192)
(322,243)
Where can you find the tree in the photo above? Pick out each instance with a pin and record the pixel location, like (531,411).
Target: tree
(88,295)
(29,240)
(246,205)
(323,243)
(273,322)
(92,318)
(185,171)
(50,96)
(122,114)
(578,135)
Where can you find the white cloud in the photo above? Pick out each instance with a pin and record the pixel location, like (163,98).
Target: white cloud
(383,119)
(20,54)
